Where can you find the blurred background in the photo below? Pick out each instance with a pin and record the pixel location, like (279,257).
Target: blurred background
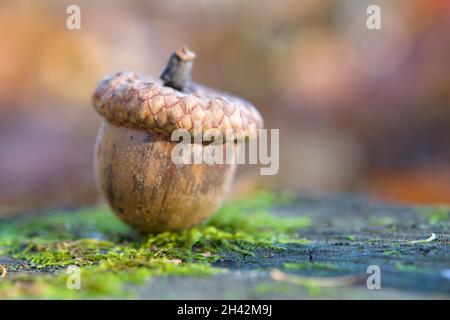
(361,111)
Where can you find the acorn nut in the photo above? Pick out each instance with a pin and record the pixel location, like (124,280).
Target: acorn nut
(133,163)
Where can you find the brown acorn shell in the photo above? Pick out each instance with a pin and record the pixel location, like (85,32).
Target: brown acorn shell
(147,190)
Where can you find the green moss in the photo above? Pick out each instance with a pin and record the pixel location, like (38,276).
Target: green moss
(371,240)
(270,288)
(406,267)
(252,217)
(437,214)
(111,255)
(105,279)
(393,253)
(311,266)
(382,221)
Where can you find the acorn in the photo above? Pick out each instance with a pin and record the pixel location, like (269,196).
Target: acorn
(133,156)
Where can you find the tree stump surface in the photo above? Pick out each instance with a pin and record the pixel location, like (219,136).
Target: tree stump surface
(347,234)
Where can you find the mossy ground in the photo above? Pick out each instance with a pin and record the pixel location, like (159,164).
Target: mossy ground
(234,254)
(112,257)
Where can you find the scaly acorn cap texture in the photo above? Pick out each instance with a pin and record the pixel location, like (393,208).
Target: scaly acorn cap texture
(162,105)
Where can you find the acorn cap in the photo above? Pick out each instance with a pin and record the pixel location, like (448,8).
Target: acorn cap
(162,105)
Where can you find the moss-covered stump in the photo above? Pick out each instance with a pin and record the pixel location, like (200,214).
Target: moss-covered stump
(266,246)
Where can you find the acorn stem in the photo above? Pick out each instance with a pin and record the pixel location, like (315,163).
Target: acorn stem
(177,73)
